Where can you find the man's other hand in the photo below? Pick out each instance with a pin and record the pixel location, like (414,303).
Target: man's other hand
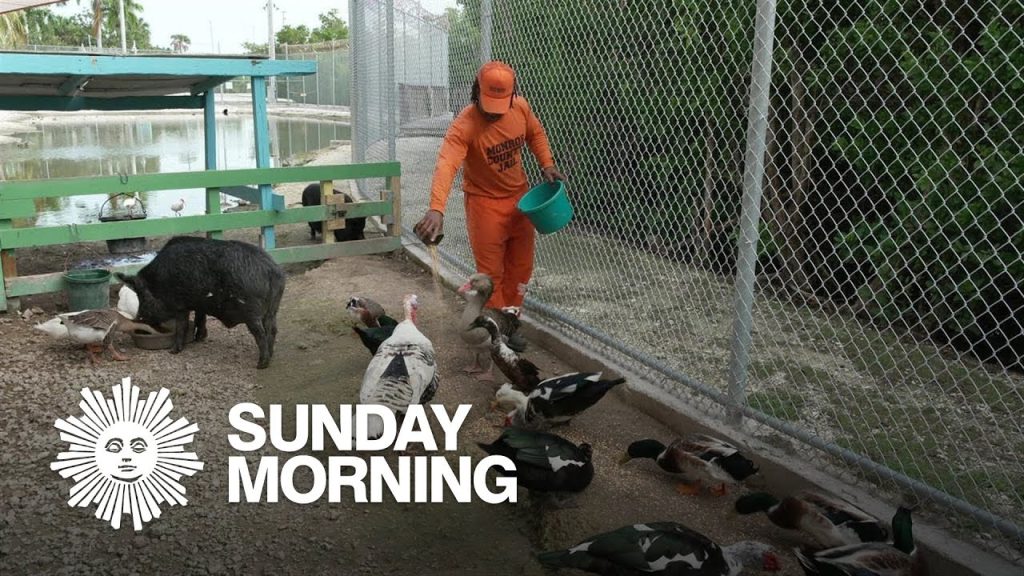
(551,174)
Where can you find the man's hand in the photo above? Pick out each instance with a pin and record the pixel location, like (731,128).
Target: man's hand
(551,174)
(430,226)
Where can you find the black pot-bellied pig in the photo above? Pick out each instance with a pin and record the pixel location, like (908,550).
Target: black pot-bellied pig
(230,280)
(354,227)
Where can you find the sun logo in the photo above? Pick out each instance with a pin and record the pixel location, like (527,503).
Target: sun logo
(126,455)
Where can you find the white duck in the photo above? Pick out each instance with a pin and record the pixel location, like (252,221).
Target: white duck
(131,202)
(402,372)
(128,302)
(177,206)
(93,329)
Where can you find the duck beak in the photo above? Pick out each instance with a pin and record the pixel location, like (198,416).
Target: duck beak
(625,458)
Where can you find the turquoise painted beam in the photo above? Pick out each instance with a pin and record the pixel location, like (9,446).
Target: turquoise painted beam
(54,282)
(70,104)
(261,134)
(14,238)
(209,84)
(72,85)
(96,65)
(60,187)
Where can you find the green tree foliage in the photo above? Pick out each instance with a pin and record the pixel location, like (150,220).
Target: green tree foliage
(180,42)
(648,130)
(254,48)
(463,50)
(933,127)
(895,142)
(136,29)
(292,35)
(332,27)
(12,29)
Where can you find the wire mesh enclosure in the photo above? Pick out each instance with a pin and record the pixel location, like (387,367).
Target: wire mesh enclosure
(808,214)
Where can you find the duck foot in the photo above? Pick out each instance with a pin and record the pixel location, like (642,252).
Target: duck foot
(719,490)
(91,349)
(116,354)
(688,489)
(485,376)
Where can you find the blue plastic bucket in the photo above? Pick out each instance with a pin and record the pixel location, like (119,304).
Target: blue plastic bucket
(547,206)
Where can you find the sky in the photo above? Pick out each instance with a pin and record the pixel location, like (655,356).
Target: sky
(221,26)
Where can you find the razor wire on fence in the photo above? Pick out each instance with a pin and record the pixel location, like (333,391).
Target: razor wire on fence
(837,253)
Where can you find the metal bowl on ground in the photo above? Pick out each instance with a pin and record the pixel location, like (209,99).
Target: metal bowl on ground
(161,341)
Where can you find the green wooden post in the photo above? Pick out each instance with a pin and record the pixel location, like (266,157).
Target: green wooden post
(262,136)
(210,132)
(7,269)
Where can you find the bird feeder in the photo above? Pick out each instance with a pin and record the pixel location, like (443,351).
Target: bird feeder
(135,210)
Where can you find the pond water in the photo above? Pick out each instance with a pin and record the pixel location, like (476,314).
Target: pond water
(114,146)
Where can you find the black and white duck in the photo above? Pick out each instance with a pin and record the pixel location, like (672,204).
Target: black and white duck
(544,462)
(667,548)
(901,558)
(402,372)
(555,400)
(378,325)
(94,329)
(828,520)
(523,374)
(477,291)
(698,458)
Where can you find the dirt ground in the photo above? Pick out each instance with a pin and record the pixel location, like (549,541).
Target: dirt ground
(318,360)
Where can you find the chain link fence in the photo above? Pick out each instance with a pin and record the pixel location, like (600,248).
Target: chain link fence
(810,215)
(330,86)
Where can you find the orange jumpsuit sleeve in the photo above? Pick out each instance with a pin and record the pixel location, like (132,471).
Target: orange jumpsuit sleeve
(453,152)
(537,139)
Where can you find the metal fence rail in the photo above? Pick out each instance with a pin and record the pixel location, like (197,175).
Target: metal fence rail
(811,213)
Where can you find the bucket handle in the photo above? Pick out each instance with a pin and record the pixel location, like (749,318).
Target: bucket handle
(139,200)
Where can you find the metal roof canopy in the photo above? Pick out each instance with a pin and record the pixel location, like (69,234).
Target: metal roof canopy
(77,81)
(15,5)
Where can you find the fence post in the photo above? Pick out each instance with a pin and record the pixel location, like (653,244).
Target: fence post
(753,176)
(210,153)
(389,82)
(354,98)
(486,24)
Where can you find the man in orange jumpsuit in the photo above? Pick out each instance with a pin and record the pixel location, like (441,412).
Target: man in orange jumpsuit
(487,138)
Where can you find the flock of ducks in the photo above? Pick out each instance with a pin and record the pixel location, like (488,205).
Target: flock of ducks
(842,539)
(839,538)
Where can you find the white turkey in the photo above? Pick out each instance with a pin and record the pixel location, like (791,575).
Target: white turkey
(402,372)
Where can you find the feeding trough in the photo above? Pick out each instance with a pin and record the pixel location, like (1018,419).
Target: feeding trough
(132,208)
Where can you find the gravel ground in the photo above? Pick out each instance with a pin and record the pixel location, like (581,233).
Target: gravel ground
(317,360)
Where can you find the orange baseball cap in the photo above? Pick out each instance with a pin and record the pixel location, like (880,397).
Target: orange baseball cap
(497,81)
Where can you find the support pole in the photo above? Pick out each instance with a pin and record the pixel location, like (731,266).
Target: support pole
(389,82)
(261,131)
(753,179)
(210,141)
(271,45)
(486,26)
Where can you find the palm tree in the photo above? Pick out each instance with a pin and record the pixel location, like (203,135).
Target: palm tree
(12,29)
(180,42)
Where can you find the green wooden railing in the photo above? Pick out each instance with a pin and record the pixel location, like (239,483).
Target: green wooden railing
(16,202)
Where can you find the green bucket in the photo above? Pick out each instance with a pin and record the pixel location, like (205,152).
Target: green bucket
(87,289)
(547,206)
